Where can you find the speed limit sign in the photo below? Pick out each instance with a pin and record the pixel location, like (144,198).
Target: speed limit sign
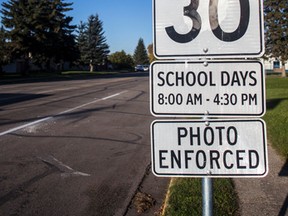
(208,28)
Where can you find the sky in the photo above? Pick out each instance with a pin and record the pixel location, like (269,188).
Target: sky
(124,21)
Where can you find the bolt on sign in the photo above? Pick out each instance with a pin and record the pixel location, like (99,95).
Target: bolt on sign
(218,148)
(208,28)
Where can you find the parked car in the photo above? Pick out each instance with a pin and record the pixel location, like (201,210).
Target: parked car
(142,68)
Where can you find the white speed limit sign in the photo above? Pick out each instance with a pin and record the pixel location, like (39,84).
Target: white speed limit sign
(208,28)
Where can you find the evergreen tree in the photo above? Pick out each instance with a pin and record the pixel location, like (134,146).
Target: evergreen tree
(39,29)
(140,54)
(4,52)
(62,40)
(17,19)
(92,42)
(276,29)
(82,43)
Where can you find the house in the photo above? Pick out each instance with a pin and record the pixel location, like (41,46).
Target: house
(273,65)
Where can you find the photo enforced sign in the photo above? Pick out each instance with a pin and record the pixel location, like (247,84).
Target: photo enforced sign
(214,148)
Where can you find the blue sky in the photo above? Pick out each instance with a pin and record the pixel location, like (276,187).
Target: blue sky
(124,21)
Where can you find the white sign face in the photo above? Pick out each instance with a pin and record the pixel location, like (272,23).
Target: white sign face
(216,88)
(218,148)
(213,28)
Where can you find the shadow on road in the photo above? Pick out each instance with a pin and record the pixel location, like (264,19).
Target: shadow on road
(60,78)
(12,98)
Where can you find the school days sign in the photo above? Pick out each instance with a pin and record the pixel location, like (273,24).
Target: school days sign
(215,148)
(214,88)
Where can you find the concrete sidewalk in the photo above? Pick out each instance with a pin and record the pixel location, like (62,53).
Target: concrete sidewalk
(268,195)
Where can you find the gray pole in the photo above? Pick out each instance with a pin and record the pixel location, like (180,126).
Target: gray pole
(207,183)
(207,199)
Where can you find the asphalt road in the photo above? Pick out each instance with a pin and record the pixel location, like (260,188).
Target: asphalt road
(73,147)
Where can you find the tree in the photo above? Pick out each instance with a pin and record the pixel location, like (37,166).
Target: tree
(81,41)
(4,52)
(39,29)
(121,60)
(92,42)
(140,54)
(62,40)
(150,53)
(276,30)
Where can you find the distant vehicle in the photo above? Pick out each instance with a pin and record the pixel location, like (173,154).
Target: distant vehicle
(142,68)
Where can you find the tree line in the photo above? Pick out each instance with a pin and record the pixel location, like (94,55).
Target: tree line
(276,30)
(40,32)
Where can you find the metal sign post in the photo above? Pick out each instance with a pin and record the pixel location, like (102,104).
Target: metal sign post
(207,193)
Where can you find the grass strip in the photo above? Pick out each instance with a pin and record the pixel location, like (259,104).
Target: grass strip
(184,197)
(40,74)
(88,73)
(276,116)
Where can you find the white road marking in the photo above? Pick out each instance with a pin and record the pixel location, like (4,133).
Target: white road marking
(65,169)
(50,117)
(25,125)
(92,102)
(55,90)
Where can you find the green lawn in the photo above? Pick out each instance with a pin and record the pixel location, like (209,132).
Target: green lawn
(276,116)
(185,196)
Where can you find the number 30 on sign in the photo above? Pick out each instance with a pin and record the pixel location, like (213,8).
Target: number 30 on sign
(214,28)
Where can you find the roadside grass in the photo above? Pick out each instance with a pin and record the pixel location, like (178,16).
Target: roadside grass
(37,74)
(88,73)
(276,116)
(184,197)
(56,75)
